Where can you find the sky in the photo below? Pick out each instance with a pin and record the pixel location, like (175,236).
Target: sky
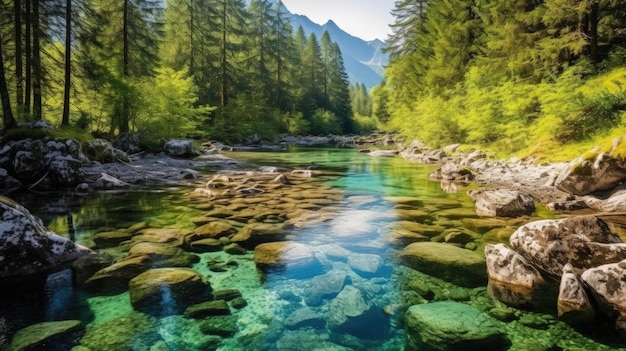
(366,19)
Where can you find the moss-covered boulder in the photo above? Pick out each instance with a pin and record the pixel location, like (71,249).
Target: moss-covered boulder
(168,291)
(608,287)
(459,266)
(451,326)
(40,336)
(133,331)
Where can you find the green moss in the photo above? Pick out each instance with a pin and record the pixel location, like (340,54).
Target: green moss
(39,133)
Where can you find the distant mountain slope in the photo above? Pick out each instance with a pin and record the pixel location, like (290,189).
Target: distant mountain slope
(364,60)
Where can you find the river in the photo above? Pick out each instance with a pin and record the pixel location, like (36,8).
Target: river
(354,230)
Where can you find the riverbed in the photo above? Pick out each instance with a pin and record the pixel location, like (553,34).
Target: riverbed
(353,214)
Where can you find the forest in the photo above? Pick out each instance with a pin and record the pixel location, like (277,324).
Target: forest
(533,77)
(220,69)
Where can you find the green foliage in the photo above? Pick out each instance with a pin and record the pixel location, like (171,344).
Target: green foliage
(324,122)
(510,76)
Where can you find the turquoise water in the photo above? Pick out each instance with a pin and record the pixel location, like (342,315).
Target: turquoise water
(297,307)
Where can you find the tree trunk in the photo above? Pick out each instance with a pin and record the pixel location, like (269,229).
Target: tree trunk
(223,59)
(7,114)
(19,69)
(28,54)
(68,63)
(123,123)
(37,72)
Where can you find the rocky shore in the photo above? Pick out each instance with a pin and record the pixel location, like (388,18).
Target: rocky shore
(573,264)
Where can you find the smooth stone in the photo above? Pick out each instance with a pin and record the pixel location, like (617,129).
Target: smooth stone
(116,335)
(235,249)
(304,317)
(164,255)
(257,233)
(172,236)
(206,309)
(365,264)
(38,336)
(223,326)
(448,262)
(451,326)
(213,229)
(87,266)
(167,291)
(484,225)
(206,245)
(326,286)
(239,303)
(292,257)
(349,303)
(111,239)
(226,294)
(114,278)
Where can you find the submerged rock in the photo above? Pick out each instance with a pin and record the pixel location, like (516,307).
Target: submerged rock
(132,331)
(27,246)
(291,257)
(448,262)
(304,317)
(502,203)
(167,291)
(40,336)
(450,326)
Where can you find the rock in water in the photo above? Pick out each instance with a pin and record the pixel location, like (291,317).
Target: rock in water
(450,326)
(583,241)
(447,262)
(502,203)
(27,246)
(512,279)
(167,291)
(37,336)
(573,304)
(608,287)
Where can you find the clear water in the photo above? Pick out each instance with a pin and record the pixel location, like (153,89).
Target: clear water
(359,224)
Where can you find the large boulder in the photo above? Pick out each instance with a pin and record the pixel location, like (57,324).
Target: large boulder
(179,148)
(27,246)
(102,151)
(350,309)
(602,168)
(512,279)
(451,326)
(583,241)
(324,286)
(502,203)
(615,201)
(257,233)
(460,266)
(573,304)
(608,287)
(114,278)
(167,291)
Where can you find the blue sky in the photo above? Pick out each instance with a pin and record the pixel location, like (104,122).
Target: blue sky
(366,19)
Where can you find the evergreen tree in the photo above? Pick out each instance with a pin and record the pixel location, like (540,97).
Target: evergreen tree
(339,90)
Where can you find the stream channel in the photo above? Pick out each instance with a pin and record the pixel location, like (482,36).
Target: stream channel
(355,215)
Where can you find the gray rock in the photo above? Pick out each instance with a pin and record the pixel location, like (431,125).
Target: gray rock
(179,148)
(102,151)
(350,303)
(573,304)
(583,241)
(365,264)
(512,279)
(608,287)
(502,203)
(27,246)
(324,287)
(304,317)
(614,202)
(450,326)
(598,169)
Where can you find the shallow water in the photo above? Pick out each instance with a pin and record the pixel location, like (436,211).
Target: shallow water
(352,241)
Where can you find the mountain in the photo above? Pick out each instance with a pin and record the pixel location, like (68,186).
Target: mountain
(364,60)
